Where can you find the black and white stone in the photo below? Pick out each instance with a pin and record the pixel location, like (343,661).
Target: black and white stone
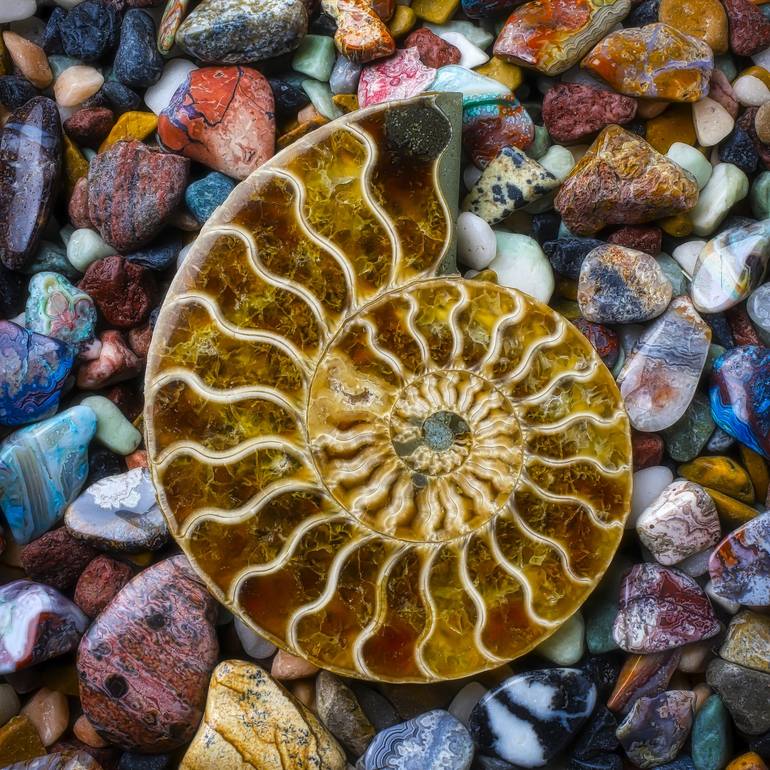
(531,717)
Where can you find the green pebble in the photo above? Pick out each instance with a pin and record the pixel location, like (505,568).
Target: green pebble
(727,65)
(673,272)
(686,438)
(315,57)
(565,647)
(321,97)
(711,736)
(714,352)
(691,160)
(85,246)
(760,196)
(88,153)
(113,430)
(619,363)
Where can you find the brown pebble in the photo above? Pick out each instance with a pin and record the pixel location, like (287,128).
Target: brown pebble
(89,126)
(287,666)
(49,712)
(702,693)
(139,340)
(137,459)
(19,740)
(56,558)
(433,50)
(84,731)
(762,123)
(77,208)
(304,691)
(100,582)
(29,58)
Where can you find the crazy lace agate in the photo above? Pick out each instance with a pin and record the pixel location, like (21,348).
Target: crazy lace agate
(391,471)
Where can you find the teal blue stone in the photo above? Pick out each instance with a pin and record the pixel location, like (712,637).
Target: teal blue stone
(453,78)
(599,618)
(686,438)
(42,469)
(206,195)
(711,736)
(52,258)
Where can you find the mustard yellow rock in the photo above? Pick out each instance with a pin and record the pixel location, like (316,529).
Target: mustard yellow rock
(510,75)
(704,19)
(131,125)
(748,641)
(722,474)
(732,512)
(757,469)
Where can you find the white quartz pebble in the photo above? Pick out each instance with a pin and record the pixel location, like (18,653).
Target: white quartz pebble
(158,96)
(686,254)
(750,91)
(648,484)
(86,246)
(727,186)
(712,122)
(253,644)
(462,704)
(15,10)
(521,264)
(692,160)
(470,55)
(476,242)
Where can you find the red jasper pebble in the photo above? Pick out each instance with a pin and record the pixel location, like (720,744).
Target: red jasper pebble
(56,558)
(604,340)
(647,238)
(77,208)
(89,126)
(99,582)
(433,50)
(647,449)
(116,363)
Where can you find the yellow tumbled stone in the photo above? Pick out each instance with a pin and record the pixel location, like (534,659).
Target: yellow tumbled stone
(251,722)
(75,164)
(346,102)
(757,469)
(732,512)
(758,72)
(19,741)
(435,11)
(141,559)
(131,125)
(510,75)
(674,125)
(677,226)
(721,473)
(404,18)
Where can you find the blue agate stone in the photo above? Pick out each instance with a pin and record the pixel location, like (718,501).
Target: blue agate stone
(42,470)
(33,369)
(206,195)
(432,741)
(740,396)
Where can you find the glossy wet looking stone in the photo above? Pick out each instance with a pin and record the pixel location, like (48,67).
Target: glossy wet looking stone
(431,473)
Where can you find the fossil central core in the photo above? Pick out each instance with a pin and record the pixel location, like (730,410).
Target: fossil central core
(441,429)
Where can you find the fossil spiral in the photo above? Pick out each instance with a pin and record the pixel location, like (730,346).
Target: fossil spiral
(389,470)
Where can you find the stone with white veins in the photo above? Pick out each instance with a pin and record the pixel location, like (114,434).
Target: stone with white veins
(531,717)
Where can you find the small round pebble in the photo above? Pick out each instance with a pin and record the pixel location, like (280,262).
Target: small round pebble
(476,243)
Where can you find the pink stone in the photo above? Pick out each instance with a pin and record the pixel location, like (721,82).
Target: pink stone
(116,362)
(398,77)
(287,666)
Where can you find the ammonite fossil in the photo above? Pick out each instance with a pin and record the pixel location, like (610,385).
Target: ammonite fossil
(391,471)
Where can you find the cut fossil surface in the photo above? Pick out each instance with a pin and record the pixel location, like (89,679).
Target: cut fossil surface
(389,470)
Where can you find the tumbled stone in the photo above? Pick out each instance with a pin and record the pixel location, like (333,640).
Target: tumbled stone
(566,255)
(252,721)
(643,676)
(221,117)
(49,711)
(660,376)
(623,180)
(508,183)
(712,122)
(56,558)
(552,35)
(119,513)
(573,112)
(510,725)
(493,122)
(28,58)
(138,63)
(704,19)
(656,728)
(286,667)
(205,195)
(647,449)
(144,663)
(99,583)
(242,31)
(745,693)
(115,363)
(361,35)
(740,564)
(646,238)
(434,51)
(58,309)
(738,149)
(660,609)
(15,91)
(749,28)
(748,761)
(748,641)
(60,760)
(603,339)
(618,285)
(76,84)
(338,709)
(681,522)
(41,624)
(397,77)
(722,473)
(89,126)
(42,468)
(19,742)
(520,264)
(89,30)
(30,162)
(134,124)
(132,191)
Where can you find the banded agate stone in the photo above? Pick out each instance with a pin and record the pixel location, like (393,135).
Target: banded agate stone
(384,468)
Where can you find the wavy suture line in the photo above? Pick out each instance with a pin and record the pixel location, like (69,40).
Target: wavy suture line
(422,343)
(455,356)
(565,461)
(432,614)
(520,370)
(225,456)
(545,392)
(383,355)
(497,337)
(560,425)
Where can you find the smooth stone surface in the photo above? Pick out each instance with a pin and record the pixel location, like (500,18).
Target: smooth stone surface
(204,196)
(520,264)
(727,185)
(314,57)
(660,609)
(529,718)
(397,77)
(758,309)
(566,255)
(35,368)
(38,624)
(138,63)
(748,641)
(567,645)
(705,19)
(19,741)
(660,376)
(749,29)
(113,429)
(740,564)
(10,705)
(648,485)
(687,437)
(643,676)
(712,122)
(89,30)
(42,468)
(453,77)
(119,513)
(157,97)
(683,521)
(711,735)
(76,84)
(744,692)
(361,33)
(338,708)
(49,712)
(251,721)
(465,701)
(253,644)
(86,246)
(144,663)
(691,160)
(30,162)
(476,242)
(722,473)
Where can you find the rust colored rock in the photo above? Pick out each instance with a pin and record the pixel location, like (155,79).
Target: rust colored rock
(492,122)
(222,117)
(123,292)
(145,663)
(137,459)
(747,121)
(116,363)
(132,191)
(89,127)
(572,112)
(139,340)
(749,28)
(99,582)
(433,50)
(743,330)
(647,449)
(647,238)
(604,340)
(77,208)
(361,35)
(126,398)
(56,558)
(623,180)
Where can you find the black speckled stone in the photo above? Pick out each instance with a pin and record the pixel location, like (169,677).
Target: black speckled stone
(288,98)
(597,762)
(102,463)
(603,670)
(680,763)
(89,31)
(120,98)
(417,132)
(567,254)
(598,736)
(738,149)
(138,62)
(51,42)
(545,227)
(721,333)
(644,13)
(15,91)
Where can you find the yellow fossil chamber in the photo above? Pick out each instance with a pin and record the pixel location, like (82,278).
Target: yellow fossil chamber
(389,470)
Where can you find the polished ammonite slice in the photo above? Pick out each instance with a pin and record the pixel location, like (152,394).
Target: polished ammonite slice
(387,469)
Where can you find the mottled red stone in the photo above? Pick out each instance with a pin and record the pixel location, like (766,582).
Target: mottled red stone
(127,399)
(139,340)
(77,208)
(107,757)
(572,112)
(604,340)
(116,363)
(89,127)
(491,123)
(660,609)
(647,449)
(145,663)
(123,292)
(56,558)
(132,191)
(647,238)
(749,29)
(223,117)
(137,459)
(434,51)
(99,582)
(743,330)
